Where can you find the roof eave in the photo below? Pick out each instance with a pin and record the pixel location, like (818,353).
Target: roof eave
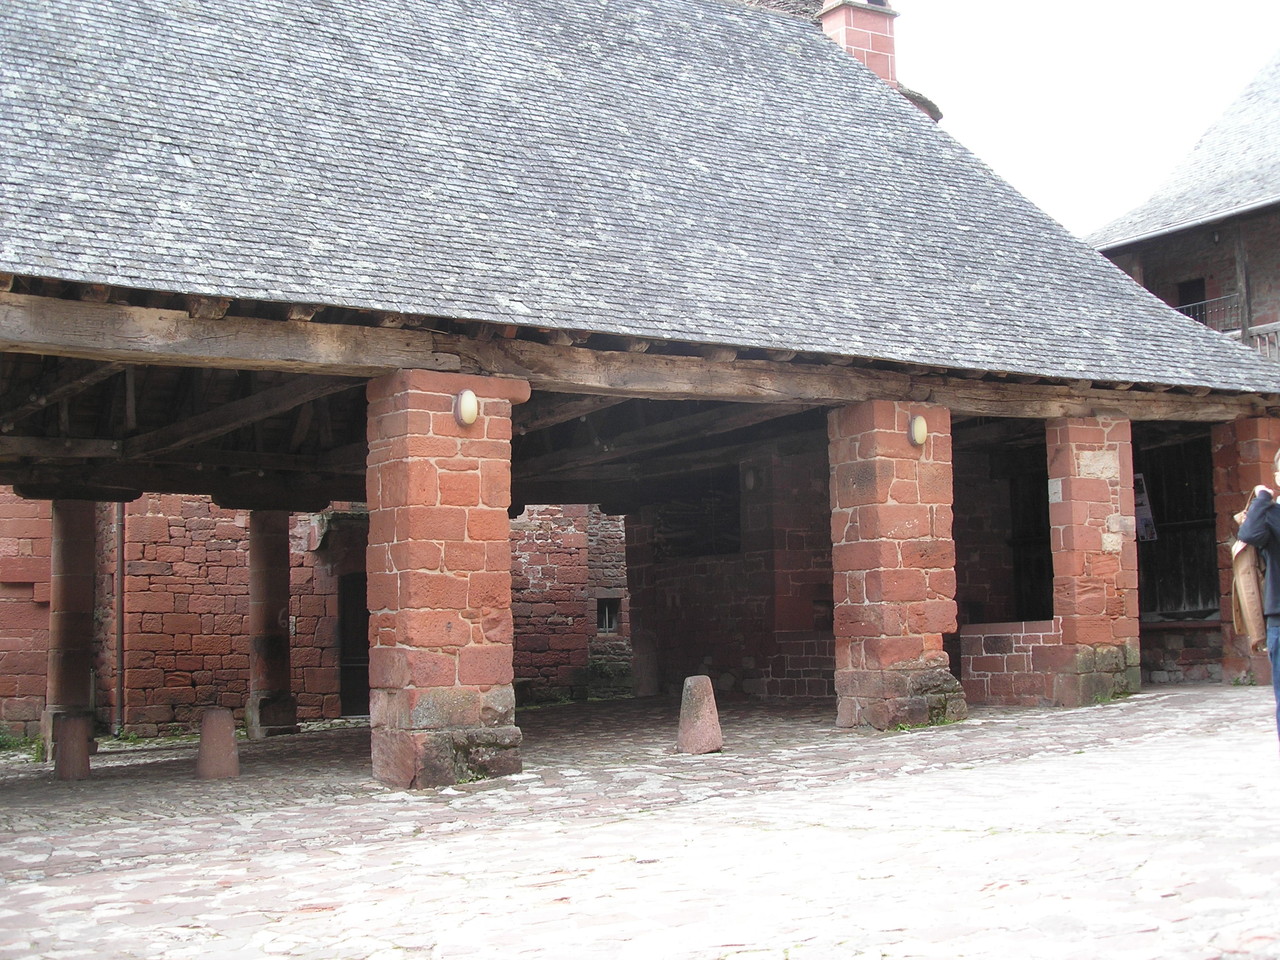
(1189,224)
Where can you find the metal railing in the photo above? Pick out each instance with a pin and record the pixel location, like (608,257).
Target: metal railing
(1221,313)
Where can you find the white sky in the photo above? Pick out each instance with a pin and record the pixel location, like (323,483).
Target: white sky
(1085,106)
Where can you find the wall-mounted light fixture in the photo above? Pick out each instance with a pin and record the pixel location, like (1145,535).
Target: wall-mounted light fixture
(917,431)
(466,408)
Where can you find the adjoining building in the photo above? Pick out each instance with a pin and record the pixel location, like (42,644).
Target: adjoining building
(1207,243)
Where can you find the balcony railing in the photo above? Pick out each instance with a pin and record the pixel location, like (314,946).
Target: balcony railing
(1265,339)
(1222,313)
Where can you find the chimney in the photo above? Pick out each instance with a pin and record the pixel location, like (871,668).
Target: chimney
(864,30)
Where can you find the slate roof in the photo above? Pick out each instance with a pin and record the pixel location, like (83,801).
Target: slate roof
(697,170)
(1235,167)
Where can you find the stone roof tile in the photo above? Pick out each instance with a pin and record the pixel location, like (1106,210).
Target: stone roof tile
(688,169)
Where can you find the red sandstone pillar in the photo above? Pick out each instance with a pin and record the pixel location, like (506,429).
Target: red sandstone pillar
(894,565)
(69,677)
(271,709)
(1243,453)
(1095,561)
(439,566)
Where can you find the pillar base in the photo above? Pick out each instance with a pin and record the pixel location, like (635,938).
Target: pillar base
(49,717)
(884,699)
(416,759)
(270,715)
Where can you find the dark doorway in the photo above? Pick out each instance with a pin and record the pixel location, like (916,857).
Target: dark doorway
(1177,547)
(1191,291)
(353,645)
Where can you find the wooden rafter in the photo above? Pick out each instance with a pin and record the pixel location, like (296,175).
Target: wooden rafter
(238,413)
(699,426)
(67,381)
(550,409)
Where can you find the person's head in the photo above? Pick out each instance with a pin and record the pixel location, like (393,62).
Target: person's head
(1275,464)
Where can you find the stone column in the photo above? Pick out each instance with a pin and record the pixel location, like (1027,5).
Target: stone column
(1243,453)
(271,709)
(439,567)
(69,677)
(1095,561)
(894,565)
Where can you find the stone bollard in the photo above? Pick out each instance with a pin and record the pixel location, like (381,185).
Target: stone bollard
(71,735)
(218,756)
(699,721)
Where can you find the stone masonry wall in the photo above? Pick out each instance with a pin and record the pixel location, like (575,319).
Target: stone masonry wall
(757,621)
(24,611)
(186,600)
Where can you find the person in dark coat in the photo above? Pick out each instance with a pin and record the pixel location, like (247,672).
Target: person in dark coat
(1261,528)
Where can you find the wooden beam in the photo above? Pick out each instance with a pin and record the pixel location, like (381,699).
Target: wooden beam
(548,409)
(58,448)
(238,413)
(112,332)
(71,328)
(760,381)
(699,426)
(228,484)
(69,380)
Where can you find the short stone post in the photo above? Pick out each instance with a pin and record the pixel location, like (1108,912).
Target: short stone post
(71,733)
(699,721)
(218,756)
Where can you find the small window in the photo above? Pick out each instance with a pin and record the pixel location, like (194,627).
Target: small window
(607,612)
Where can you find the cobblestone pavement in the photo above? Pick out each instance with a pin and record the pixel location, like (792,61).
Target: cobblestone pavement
(1135,829)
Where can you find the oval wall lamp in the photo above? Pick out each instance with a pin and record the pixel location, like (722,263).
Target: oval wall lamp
(918,431)
(466,408)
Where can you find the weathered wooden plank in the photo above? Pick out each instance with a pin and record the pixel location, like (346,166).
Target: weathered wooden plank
(72,328)
(111,332)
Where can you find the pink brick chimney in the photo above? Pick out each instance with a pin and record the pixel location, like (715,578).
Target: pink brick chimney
(864,30)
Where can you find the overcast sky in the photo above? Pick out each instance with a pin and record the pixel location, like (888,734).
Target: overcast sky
(1084,106)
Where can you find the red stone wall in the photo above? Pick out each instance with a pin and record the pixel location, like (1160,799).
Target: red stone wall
(609,668)
(24,611)
(757,621)
(1010,663)
(564,559)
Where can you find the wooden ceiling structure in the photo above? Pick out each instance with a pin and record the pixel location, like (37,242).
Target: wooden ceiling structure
(106,393)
